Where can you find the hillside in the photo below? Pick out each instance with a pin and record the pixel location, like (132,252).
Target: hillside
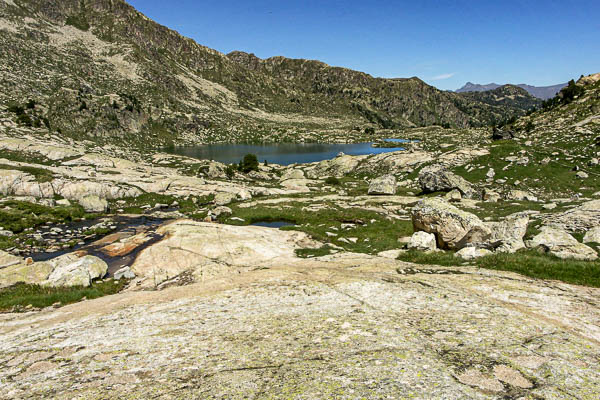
(100,70)
(541,92)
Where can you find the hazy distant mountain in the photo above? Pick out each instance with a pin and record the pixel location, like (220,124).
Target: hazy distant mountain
(541,92)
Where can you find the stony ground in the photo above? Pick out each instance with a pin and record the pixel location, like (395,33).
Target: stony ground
(347,327)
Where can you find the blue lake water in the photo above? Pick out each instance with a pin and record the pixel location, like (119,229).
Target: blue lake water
(280,153)
(272,224)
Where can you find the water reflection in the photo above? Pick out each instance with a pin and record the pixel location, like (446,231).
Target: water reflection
(280,153)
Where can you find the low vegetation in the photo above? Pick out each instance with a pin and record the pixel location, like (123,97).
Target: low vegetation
(22,297)
(525,262)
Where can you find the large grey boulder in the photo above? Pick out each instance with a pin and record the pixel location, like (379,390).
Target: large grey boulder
(383,185)
(453,228)
(422,241)
(70,270)
(561,244)
(436,178)
(578,219)
(292,174)
(507,235)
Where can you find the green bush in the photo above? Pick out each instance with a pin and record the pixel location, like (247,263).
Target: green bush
(230,171)
(78,21)
(332,180)
(248,163)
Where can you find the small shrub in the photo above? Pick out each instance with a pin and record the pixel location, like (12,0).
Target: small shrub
(78,21)
(24,119)
(248,163)
(230,171)
(370,130)
(332,180)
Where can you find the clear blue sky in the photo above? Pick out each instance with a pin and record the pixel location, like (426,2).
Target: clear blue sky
(445,43)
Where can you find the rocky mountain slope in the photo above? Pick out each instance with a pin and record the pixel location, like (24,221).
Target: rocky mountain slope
(540,92)
(100,70)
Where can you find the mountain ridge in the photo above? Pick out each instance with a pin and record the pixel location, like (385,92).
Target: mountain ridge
(541,92)
(112,74)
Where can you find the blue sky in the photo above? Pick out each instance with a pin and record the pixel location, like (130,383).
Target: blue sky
(445,43)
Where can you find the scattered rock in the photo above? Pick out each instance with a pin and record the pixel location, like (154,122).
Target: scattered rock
(582,175)
(520,195)
(454,195)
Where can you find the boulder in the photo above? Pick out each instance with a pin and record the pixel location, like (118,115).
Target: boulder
(422,241)
(292,174)
(224,198)
(453,228)
(32,273)
(437,178)
(383,185)
(70,270)
(471,253)
(222,210)
(490,196)
(124,273)
(338,167)
(507,235)
(453,195)
(93,203)
(561,244)
(521,195)
(592,236)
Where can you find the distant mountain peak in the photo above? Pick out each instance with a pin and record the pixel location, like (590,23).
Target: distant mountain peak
(541,92)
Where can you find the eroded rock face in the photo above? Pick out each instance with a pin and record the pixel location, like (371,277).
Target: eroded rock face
(384,185)
(453,228)
(561,244)
(422,241)
(207,250)
(437,178)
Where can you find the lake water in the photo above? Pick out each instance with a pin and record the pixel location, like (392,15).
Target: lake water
(280,153)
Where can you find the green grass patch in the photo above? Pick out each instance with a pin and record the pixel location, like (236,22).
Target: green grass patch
(373,231)
(17,216)
(530,263)
(21,295)
(133,205)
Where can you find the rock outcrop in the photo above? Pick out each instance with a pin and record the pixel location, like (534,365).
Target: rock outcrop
(207,250)
(507,235)
(562,245)
(66,270)
(384,185)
